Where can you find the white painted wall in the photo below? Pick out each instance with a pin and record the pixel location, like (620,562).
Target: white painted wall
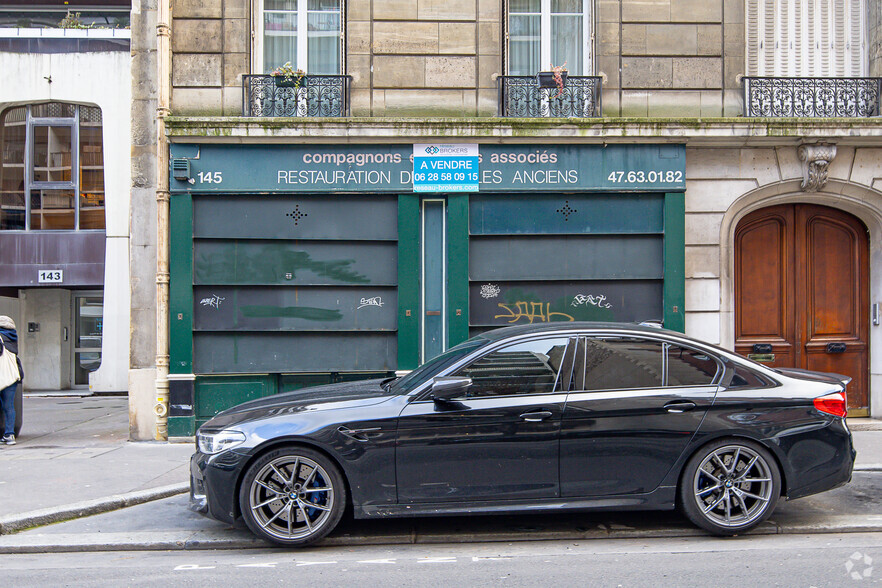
(103,80)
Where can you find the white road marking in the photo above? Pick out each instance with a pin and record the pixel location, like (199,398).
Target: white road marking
(183,567)
(377,561)
(258,565)
(437,560)
(315,563)
(491,558)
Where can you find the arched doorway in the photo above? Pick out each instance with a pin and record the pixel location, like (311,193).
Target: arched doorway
(801,292)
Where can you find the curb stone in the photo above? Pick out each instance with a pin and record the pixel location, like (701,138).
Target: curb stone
(46,516)
(170,541)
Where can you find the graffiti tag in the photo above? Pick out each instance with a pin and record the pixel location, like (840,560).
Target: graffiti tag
(375,301)
(490,291)
(213,301)
(590,299)
(532,312)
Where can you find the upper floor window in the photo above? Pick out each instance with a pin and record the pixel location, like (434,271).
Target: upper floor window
(806,38)
(52,174)
(308,34)
(541,33)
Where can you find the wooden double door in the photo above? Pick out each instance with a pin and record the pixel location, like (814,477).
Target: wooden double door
(802,294)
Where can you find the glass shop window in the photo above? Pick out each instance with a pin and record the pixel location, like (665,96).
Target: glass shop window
(52,174)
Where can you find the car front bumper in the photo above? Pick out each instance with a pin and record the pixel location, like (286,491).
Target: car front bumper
(213,484)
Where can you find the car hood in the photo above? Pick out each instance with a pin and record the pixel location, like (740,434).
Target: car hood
(329,397)
(830,378)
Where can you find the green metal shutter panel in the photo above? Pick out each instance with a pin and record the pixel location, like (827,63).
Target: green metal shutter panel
(561,257)
(294,283)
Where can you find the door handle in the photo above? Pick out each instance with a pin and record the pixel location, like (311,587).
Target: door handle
(537,416)
(680,406)
(837,347)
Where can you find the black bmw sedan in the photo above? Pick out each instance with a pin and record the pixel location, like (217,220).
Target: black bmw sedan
(523,419)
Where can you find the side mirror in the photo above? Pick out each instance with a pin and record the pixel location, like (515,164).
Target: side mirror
(447,387)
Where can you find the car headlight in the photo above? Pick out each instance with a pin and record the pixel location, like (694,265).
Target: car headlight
(215,442)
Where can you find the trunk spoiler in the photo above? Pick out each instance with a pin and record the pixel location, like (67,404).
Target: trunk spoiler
(816,376)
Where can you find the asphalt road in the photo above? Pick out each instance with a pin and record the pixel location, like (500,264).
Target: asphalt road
(810,560)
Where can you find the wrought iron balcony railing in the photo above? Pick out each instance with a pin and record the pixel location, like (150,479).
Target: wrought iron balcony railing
(812,97)
(266,95)
(521,96)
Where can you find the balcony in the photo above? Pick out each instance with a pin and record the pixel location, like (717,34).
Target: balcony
(521,97)
(811,97)
(315,96)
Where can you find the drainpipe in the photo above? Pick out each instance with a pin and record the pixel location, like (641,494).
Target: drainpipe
(163,60)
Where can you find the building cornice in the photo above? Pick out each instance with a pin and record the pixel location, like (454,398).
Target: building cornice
(723,132)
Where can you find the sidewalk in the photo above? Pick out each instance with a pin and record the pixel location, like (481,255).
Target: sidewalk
(75,451)
(74,460)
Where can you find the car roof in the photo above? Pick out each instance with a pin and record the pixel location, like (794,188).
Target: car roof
(587,326)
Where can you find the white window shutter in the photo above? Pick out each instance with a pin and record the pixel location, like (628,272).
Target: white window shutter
(754,37)
(840,38)
(770,39)
(825,39)
(784,50)
(857,42)
(806,38)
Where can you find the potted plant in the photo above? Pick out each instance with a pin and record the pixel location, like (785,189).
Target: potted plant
(556,77)
(287,77)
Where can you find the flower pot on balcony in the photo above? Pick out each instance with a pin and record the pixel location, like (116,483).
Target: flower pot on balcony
(546,79)
(283,82)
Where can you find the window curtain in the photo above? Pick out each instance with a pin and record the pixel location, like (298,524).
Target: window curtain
(324,38)
(567,26)
(524,36)
(279,33)
(284,24)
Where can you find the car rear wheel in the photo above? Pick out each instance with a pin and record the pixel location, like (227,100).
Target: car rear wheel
(730,486)
(292,496)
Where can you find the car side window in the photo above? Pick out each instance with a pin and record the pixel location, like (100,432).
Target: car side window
(523,368)
(689,367)
(745,378)
(617,363)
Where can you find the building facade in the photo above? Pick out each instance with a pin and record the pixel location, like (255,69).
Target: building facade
(64,191)
(406,180)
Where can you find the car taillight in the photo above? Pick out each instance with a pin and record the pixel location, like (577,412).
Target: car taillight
(832,404)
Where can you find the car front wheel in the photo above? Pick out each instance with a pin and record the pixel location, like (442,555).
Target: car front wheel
(730,486)
(292,496)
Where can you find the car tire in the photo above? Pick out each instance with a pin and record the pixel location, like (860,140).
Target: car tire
(292,496)
(730,486)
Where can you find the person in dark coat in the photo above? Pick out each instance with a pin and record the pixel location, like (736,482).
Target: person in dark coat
(9,340)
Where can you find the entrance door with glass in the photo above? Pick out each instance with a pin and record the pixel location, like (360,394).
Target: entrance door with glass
(433,323)
(88,319)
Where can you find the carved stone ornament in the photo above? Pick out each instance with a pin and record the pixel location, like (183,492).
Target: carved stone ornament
(816,158)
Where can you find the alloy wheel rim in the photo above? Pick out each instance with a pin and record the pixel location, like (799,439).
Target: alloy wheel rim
(733,486)
(291,497)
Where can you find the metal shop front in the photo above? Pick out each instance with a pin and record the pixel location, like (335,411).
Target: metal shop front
(296,265)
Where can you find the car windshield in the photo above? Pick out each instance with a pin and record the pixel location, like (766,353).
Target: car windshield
(409,382)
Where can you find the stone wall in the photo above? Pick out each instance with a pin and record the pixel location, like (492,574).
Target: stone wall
(670,57)
(442,57)
(211,46)
(142,250)
(424,58)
